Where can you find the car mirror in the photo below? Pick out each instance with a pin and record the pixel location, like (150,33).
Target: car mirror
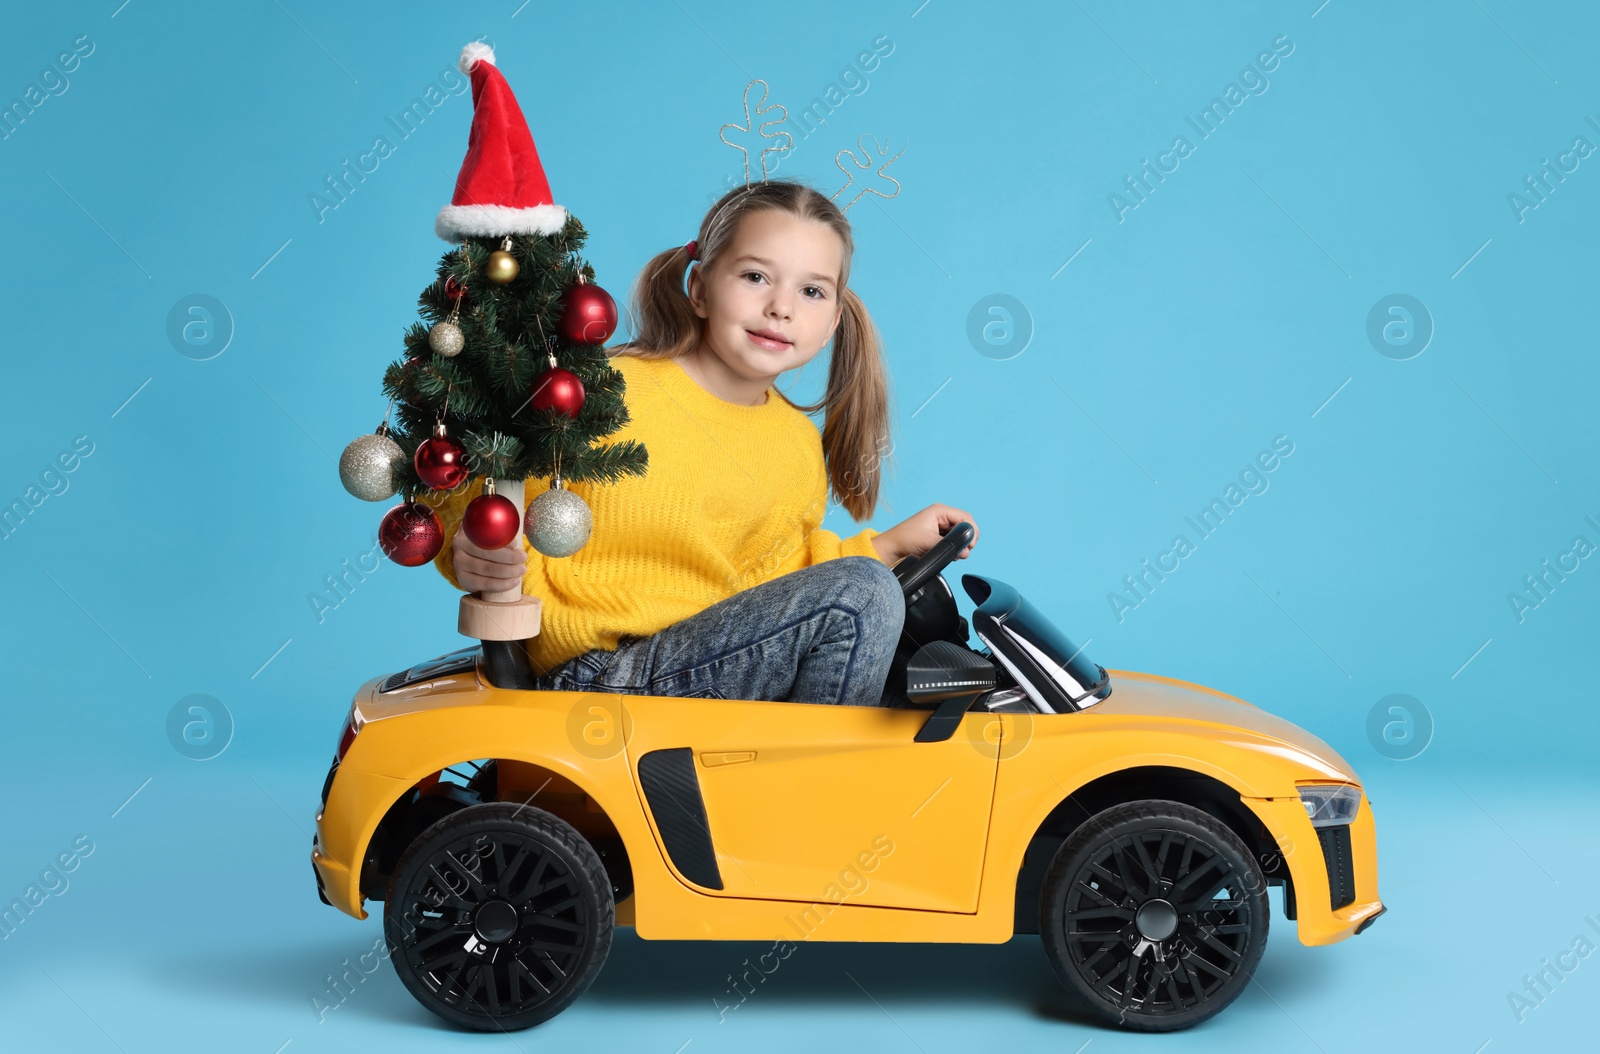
(948,677)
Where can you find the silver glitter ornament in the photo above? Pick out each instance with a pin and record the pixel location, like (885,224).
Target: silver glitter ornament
(445,338)
(557,522)
(369,466)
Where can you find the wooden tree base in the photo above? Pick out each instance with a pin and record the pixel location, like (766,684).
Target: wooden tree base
(498,620)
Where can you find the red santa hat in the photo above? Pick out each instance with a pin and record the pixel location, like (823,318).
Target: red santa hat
(502,187)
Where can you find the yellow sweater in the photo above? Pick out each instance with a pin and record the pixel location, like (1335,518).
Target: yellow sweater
(732,498)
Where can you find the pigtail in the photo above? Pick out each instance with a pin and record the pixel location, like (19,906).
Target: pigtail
(855,430)
(662,319)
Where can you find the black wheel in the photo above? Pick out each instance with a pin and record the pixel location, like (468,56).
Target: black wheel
(484,782)
(498,916)
(1153,915)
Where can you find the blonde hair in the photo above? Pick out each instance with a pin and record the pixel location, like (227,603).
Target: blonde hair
(855,431)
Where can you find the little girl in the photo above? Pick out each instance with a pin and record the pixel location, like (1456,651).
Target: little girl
(709,575)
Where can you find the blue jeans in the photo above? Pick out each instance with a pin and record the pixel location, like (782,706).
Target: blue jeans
(823,634)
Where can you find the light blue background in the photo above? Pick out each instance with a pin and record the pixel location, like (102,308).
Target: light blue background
(1228,308)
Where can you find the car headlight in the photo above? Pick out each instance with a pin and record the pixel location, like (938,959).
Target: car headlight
(1330,805)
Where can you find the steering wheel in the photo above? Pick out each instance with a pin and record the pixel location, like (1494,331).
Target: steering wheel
(931,612)
(914,572)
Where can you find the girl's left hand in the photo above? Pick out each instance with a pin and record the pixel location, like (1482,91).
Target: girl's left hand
(919,533)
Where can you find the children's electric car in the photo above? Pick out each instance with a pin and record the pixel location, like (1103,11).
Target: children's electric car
(1133,821)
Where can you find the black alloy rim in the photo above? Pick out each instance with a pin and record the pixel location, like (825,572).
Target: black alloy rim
(1156,922)
(497,924)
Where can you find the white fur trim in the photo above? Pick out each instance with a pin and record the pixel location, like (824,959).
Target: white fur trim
(473,53)
(455,222)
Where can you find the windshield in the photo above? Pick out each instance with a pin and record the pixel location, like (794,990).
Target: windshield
(1058,675)
(1066,665)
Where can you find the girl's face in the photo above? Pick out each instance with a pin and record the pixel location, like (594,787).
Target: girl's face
(771,300)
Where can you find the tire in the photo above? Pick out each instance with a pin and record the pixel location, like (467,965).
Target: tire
(498,916)
(484,782)
(1153,915)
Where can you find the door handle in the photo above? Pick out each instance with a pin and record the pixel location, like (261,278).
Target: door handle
(712,758)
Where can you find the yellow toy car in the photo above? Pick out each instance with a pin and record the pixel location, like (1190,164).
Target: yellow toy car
(1135,822)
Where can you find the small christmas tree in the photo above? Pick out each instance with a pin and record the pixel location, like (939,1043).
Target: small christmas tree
(501,362)
(505,377)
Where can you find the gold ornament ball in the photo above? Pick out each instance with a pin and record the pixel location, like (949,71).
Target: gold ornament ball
(501,268)
(370,466)
(446,339)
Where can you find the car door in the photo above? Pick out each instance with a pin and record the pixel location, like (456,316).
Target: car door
(823,804)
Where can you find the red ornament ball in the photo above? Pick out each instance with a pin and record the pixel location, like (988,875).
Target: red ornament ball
(491,521)
(588,314)
(558,389)
(410,534)
(441,463)
(452,288)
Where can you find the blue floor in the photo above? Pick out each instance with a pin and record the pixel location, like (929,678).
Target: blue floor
(193,924)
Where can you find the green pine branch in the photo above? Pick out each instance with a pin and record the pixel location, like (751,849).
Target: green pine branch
(482,395)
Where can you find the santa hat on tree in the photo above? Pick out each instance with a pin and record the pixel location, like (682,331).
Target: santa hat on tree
(502,187)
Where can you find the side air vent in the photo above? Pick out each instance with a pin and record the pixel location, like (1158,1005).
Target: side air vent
(673,791)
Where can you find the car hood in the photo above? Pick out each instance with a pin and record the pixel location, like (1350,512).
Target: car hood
(1149,695)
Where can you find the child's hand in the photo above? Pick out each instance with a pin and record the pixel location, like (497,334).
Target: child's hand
(919,533)
(487,570)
